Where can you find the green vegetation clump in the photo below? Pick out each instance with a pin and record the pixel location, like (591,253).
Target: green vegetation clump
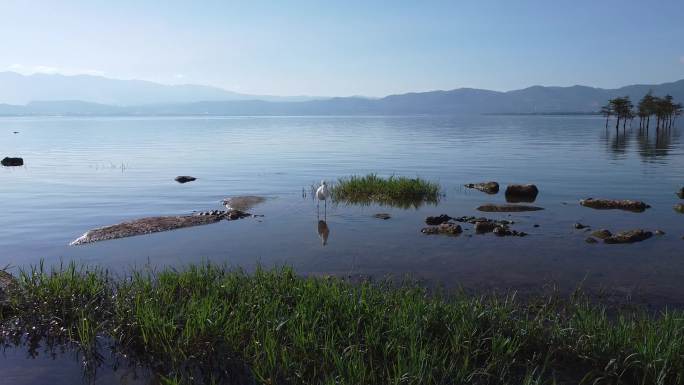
(209,324)
(393,191)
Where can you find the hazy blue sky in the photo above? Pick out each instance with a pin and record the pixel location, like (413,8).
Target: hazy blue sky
(349,47)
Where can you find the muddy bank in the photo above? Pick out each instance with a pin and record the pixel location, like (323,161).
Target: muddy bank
(156,224)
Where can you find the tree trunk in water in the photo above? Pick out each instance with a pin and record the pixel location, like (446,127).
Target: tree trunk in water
(617,123)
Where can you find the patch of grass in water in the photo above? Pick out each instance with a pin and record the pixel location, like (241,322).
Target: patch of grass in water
(209,323)
(397,191)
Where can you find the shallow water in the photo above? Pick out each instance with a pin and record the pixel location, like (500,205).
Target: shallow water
(82,173)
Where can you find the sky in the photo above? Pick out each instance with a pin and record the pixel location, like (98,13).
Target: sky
(342,48)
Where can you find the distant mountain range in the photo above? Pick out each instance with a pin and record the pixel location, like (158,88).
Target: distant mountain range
(91,95)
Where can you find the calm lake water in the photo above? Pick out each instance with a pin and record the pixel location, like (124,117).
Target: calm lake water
(82,173)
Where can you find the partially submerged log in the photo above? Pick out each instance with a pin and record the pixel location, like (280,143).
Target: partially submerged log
(156,224)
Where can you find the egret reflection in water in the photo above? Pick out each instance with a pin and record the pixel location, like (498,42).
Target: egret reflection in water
(323,232)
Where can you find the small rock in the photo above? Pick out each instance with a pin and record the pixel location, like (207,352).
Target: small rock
(680,193)
(590,240)
(12,162)
(486,187)
(438,220)
(536,225)
(610,204)
(679,208)
(630,236)
(501,231)
(659,232)
(580,226)
(185,179)
(485,227)
(444,228)
(15,132)
(521,193)
(602,234)
(492,208)
(383,216)
(236,214)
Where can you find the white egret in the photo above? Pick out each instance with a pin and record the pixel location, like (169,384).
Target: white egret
(322,194)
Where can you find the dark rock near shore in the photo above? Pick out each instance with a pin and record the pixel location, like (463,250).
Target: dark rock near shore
(444,228)
(7,283)
(602,234)
(185,179)
(659,232)
(680,193)
(156,224)
(580,226)
(12,162)
(383,216)
(492,208)
(630,236)
(679,208)
(486,187)
(612,204)
(438,220)
(244,202)
(516,193)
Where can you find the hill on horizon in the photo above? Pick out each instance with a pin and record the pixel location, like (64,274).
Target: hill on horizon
(93,95)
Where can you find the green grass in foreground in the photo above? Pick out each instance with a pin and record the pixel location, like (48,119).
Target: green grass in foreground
(395,191)
(207,321)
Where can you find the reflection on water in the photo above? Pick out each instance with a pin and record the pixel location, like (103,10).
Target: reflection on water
(323,232)
(650,143)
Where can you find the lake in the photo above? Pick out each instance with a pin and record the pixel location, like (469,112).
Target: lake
(82,173)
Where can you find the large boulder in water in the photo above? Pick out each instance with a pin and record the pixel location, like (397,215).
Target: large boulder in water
(521,193)
(12,162)
(630,236)
(486,187)
(612,204)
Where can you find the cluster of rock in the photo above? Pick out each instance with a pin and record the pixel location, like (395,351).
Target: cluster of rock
(225,214)
(614,204)
(444,224)
(12,162)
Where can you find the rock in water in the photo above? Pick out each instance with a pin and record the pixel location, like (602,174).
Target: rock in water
(12,162)
(492,208)
(590,240)
(679,208)
(244,202)
(486,187)
(154,225)
(680,193)
(383,216)
(438,220)
(185,179)
(630,236)
(612,204)
(602,234)
(521,193)
(580,226)
(444,228)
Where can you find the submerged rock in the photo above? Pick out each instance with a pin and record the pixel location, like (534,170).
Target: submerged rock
(244,202)
(185,179)
(486,187)
(630,236)
(492,208)
(611,204)
(438,220)
(521,193)
(580,226)
(156,224)
(12,162)
(448,228)
(602,234)
(590,240)
(383,216)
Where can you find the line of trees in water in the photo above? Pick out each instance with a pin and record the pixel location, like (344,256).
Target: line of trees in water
(665,111)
